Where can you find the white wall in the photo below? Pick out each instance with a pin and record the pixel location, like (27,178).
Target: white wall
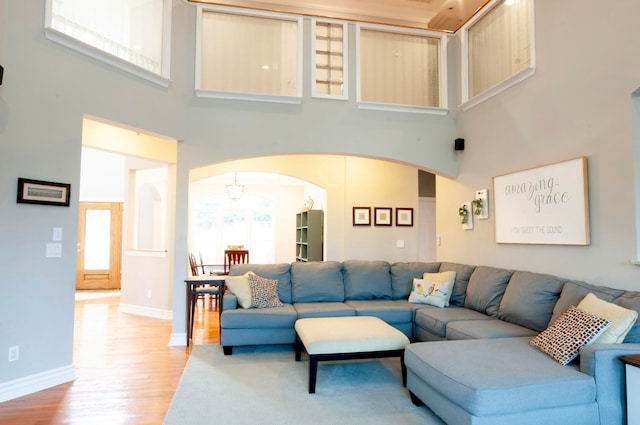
(578,103)
(349,182)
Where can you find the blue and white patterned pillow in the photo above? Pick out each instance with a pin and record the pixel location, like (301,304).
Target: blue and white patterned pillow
(264,292)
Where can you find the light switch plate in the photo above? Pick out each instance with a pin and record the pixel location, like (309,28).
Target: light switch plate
(54,250)
(57,234)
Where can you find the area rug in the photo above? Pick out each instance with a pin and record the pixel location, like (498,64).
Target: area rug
(265,385)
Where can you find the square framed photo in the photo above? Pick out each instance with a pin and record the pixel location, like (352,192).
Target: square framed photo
(383,217)
(404,216)
(44,193)
(362,216)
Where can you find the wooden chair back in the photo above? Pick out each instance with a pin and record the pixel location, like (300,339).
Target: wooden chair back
(235,256)
(193,264)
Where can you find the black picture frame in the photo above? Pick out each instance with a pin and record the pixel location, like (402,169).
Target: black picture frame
(383,216)
(43,192)
(362,216)
(404,217)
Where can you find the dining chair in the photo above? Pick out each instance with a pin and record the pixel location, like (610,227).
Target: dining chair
(234,256)
(200,291)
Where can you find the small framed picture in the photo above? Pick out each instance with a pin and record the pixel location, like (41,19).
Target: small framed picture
(362,216)
(41,192)
(404,216)
(383,217)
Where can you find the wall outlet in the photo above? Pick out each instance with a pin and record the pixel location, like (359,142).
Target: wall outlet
(14,353)
(400,243)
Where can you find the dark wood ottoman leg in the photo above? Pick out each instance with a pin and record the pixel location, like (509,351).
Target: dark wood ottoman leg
(313,372)
(298,349)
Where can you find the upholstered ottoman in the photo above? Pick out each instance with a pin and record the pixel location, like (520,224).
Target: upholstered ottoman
(346,338)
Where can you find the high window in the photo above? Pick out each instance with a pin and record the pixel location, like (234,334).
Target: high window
(497,49)
(329,59)
(403,69)
(244,55)
(133,35)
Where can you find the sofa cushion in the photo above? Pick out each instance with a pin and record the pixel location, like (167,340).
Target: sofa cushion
(564,337)
(323,309)
(433,289)
(463,273)
(498,376)
(259,318)
(631,301)
(622,319)
(319,281)
(402,275)
(435,319)
(486,288)
(482,329)
(574,291)
(264,292)
(366,280)
(239,285)
(529,299)
(279,272)
(388,310)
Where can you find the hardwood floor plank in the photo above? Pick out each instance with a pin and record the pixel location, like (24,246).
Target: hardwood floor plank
(127,374)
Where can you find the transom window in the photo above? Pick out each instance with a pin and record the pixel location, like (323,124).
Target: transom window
(498,49)
(401,68)
(133,35)
(248,56)
(330,59)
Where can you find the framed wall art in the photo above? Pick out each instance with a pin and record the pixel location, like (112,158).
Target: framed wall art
(42,192)
(543,205)
(383,217)
(404,216)
(362,216)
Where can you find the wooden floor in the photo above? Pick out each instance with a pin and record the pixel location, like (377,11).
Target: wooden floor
(126,372)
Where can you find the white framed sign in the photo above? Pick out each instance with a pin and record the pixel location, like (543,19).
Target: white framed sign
(543,205)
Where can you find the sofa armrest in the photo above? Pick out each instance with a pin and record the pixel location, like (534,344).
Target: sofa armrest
(229,301)
(602,361)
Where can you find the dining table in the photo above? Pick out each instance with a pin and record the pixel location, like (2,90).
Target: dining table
(191,283)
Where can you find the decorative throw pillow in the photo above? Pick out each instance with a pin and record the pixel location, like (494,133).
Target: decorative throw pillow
(429,292)
(564,337)
(447,277)
(264,292)
(622,319)
(239,285)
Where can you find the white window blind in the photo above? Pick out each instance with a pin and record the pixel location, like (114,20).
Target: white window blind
(399,68)
(498,48)
(248,54)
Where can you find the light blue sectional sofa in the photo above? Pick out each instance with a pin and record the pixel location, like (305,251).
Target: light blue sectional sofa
(470,362)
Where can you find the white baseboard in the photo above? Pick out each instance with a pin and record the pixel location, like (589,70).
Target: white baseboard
(156,313)
(178,340)
(34,383)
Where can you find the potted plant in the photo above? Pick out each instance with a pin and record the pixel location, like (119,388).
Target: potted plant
(463,212)
(477,206)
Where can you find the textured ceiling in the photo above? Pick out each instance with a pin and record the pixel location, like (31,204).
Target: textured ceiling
(438,15)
